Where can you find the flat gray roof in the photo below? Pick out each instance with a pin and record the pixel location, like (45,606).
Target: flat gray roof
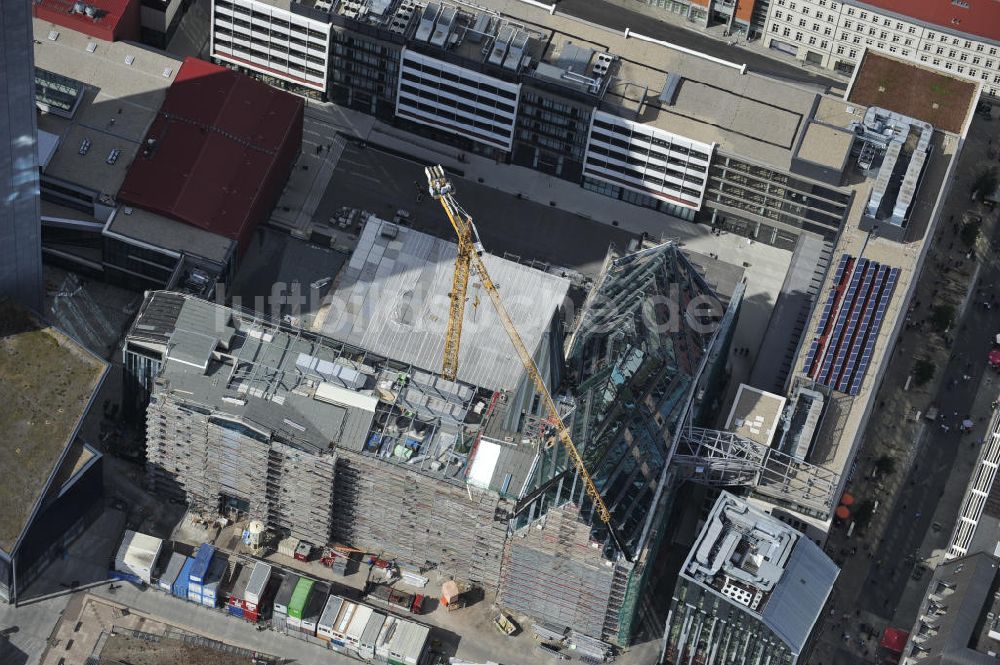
(392,298)
(755,414)
(825,145)
(747,114)
(125,85)
(170,234)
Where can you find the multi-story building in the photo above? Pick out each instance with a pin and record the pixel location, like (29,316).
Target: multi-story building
(20,229)
(958,620)
(635,119)
(352,436)
(740,17)
(962,38)
(750,590)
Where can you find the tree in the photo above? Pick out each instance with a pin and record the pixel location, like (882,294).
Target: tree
(923,371)
(970,233)
(985,182)
(885,465)
(942,317)
(863,517)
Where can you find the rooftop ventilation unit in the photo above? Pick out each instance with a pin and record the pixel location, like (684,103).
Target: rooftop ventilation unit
(500,45)
(669,93)
(443,26)
(516,52)
(479,29)
(426,25)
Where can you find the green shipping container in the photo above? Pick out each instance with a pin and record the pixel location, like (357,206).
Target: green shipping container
(299,598)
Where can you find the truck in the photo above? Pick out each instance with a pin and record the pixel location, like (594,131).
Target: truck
(408,602)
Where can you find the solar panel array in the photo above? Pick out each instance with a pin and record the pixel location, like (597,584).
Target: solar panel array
(839,355)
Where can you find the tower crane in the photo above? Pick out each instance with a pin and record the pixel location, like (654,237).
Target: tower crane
(470,250)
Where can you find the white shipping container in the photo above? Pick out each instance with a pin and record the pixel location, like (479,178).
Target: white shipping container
(194,596)
(324,627)
(358,622)
(137,555)
(292,622)
(258,583)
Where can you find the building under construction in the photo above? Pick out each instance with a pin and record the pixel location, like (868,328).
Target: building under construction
(349,437)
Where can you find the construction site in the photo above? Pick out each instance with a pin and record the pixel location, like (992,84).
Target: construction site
(540,469)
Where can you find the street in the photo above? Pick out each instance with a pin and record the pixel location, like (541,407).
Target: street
(926,465)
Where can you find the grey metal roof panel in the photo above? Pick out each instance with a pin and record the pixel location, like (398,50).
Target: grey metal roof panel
(798,599)
(392,298)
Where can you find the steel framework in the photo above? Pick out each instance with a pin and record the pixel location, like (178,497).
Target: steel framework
(721,459)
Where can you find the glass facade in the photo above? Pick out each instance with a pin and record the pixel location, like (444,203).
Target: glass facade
(635,358)
(551,134)
(363,74)
(769,205)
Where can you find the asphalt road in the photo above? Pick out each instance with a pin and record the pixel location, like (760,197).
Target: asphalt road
(619,18)
(913,510)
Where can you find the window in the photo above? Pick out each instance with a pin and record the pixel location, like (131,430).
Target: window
(840,50)
(798,36)
(963,57)
(774,27)
(802,23)
(850,11)
(828,31)
(976,59)
(847,24)
(815,27)
(786,32)
(936,61)
(853,53)
(812,41)
(951,53)
(961,69)
(973,71)
(947,65)
(912,30)
(907,42)
(824,44)
(863,16)
(923,58)
(883,35)
(777,14)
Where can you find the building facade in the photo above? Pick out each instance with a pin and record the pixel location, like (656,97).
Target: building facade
(546,97)
(962,38)
(20,219)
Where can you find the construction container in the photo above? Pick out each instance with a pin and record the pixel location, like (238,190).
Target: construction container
(314,607)
(136,557)
(284,595)
(202,560)
(210,590)
(237,591)
(169,576)
(324,627)
(180,588)
(257,585)
(303,551)
(288,546)
(369,637)
(298,602)
(342,622)
(401,642)
(352,635)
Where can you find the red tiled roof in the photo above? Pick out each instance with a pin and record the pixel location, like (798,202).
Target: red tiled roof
(113,20)
(223,147)
(980,18)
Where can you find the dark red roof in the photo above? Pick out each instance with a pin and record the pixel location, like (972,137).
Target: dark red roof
(113,19)
(894,639)
(979,18)
(223,146)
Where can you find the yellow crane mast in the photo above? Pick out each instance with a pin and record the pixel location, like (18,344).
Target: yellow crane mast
(470,250)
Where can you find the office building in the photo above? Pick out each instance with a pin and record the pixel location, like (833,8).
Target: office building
(50,479)
(625,116)
(20,229)
(750,591)
(743,18)
(960,38)
(156,171)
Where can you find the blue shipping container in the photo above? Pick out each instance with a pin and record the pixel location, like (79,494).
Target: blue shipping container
(202,560)
(236,611)
(126,577)
(180,588)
